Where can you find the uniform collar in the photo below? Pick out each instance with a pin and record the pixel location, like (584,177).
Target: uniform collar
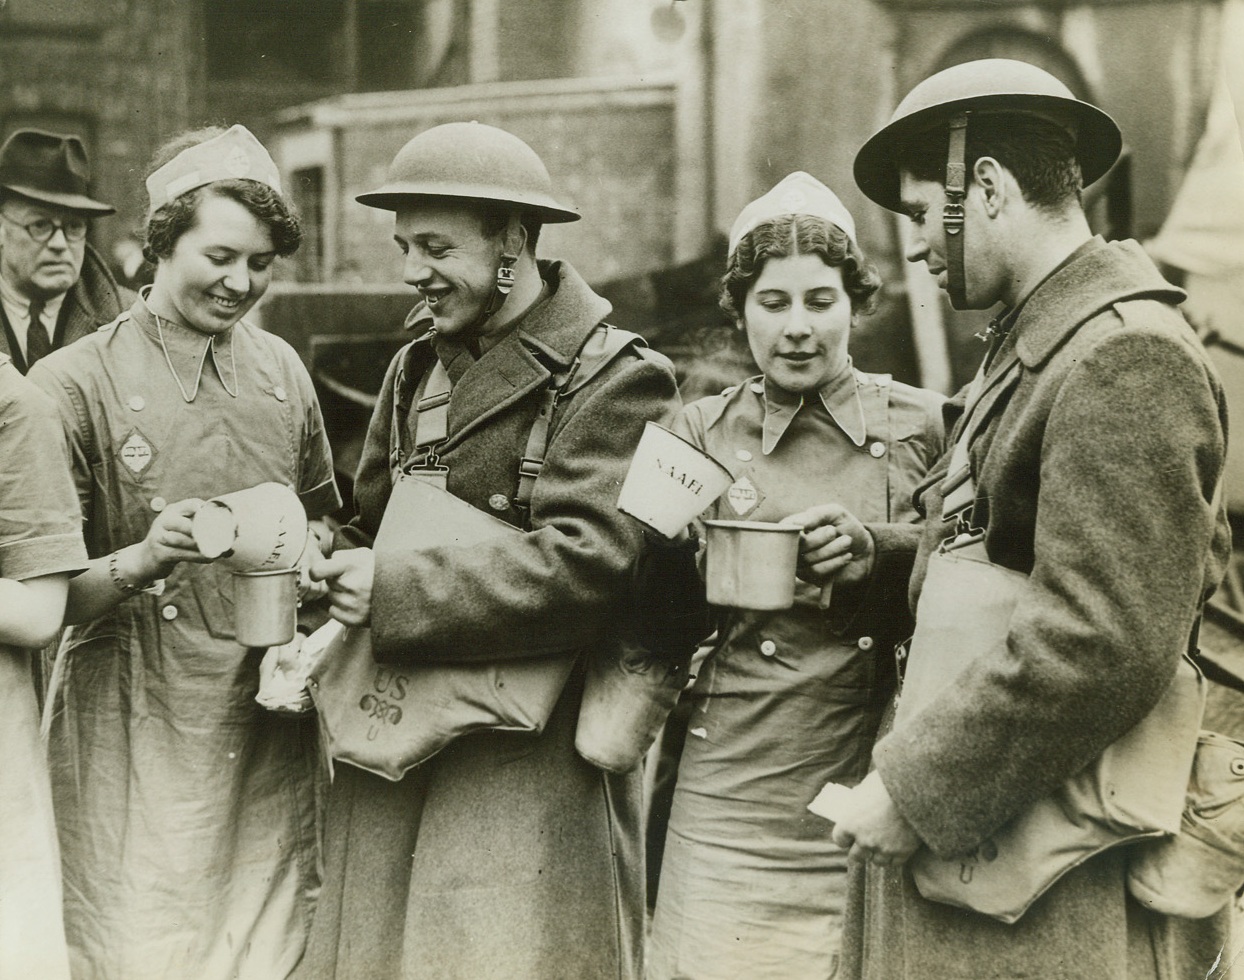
(1096,276)
(840,398)
(187,351)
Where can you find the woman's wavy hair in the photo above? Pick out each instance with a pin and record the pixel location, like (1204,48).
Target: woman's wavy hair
(178,216)
(798,234)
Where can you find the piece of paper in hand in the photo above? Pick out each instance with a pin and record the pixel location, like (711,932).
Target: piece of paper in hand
(284,669)
(829,801)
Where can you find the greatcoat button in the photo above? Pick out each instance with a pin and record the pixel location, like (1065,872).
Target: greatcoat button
(169,613)
(743,455)
(158,504)
(499,501)
(768,648)
(865,643)
(137,403)
(877,449)
(279,393)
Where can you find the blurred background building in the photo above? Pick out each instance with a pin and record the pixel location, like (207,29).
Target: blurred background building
(658,119)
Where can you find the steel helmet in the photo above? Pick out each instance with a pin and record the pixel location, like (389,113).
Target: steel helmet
(473,161)
(991,85)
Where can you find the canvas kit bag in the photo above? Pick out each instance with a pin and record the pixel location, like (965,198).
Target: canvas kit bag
(1135,790)
(388,718)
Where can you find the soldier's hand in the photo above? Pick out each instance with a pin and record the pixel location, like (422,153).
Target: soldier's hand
(349,576)
(871,827)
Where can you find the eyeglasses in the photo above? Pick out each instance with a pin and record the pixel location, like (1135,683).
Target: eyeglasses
(42,229)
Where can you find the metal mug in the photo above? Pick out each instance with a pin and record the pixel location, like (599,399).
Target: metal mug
(751,564)
(265,607)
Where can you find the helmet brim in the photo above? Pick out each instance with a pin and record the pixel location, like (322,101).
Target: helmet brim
(1098,140)
(394,196)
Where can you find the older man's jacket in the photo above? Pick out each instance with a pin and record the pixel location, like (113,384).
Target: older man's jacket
(95,299)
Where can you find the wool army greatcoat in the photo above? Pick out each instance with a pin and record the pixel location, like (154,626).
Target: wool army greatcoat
(94,299)
(506,855)
(1096,465)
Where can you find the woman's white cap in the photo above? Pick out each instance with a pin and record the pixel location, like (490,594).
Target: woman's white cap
(797,193)
(234,154)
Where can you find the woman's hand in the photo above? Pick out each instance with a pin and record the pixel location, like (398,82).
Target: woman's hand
(871,827)
(834,546)
(349,575)
(168,543)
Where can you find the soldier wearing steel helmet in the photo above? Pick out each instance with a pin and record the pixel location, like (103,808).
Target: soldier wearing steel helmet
(507,855)
(1092,442)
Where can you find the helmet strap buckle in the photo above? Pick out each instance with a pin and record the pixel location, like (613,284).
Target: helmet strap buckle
(505,274)
(953,213)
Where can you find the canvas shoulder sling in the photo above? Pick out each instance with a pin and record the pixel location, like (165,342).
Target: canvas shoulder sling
(386,718)
(1134,790)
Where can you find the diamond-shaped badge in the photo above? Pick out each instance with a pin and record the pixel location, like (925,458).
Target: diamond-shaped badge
(136,453)
(743,497)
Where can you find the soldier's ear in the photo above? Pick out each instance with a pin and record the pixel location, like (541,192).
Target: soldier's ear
(515,239)
(990,176)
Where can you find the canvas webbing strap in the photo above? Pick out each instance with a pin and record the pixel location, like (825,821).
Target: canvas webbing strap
(959,488)
(602,345)
(432,411)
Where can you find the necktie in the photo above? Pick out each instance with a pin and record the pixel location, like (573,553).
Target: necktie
(38,342)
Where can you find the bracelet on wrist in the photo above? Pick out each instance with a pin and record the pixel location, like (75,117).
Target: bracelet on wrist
(127,588)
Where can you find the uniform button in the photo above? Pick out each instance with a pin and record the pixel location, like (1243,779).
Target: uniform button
(877,449)
(279,393)
(169,613)
(768,648)
(137,403)
(865,643)
(499,501)
(743,455)
(158,504)
(757,388)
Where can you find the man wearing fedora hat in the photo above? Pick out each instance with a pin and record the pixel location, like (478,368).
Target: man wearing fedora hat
(54,287)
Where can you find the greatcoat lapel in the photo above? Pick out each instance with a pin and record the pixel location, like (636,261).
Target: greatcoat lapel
(555,330)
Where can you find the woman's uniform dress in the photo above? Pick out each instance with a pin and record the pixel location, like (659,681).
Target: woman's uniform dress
(752,885)
(186,811)
(40,534)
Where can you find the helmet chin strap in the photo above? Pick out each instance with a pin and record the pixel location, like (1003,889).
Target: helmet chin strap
(515,239)
(953,212)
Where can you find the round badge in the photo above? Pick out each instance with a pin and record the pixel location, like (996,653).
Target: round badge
(499,501)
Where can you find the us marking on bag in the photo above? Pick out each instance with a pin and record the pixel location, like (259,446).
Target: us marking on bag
(380,709)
